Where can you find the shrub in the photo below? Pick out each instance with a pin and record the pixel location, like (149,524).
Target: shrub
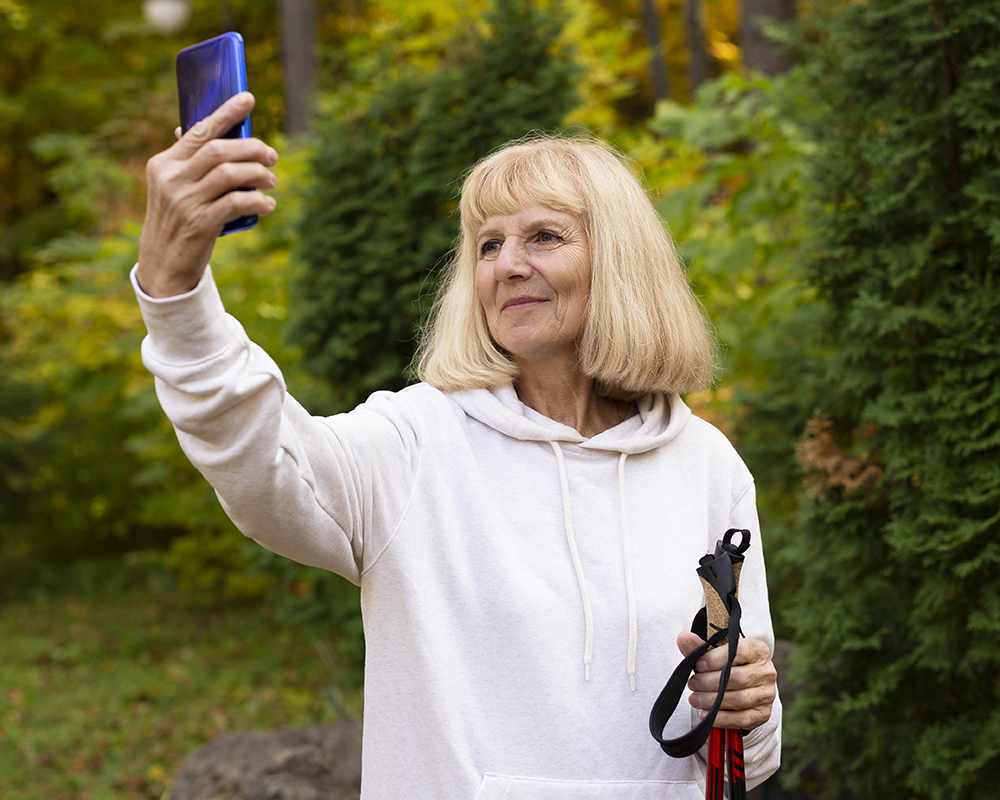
(378,216)
(899,607)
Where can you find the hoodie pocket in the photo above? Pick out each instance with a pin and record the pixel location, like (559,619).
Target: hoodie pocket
(506,787)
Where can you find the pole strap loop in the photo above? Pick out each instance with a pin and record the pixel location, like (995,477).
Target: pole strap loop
(722,613)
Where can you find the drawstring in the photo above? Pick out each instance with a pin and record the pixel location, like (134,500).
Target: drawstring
(588,648)
(633,623)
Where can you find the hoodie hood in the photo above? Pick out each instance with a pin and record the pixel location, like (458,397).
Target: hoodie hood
(660,419)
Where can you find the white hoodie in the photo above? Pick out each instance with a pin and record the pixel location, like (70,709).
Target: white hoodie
(522,586)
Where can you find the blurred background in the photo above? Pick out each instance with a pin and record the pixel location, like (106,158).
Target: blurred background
(831,173)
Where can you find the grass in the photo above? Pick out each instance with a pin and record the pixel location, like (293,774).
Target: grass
(105,688)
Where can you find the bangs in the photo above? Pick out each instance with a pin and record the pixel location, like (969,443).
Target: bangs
(521,176)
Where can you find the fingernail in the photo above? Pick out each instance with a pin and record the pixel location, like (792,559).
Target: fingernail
(696,701)
(701,666)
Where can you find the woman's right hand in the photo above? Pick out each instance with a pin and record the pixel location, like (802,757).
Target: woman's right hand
(189,197)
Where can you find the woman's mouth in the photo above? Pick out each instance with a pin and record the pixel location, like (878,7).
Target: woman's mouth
(518,303)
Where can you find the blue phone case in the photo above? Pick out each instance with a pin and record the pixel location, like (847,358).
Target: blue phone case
(208,74)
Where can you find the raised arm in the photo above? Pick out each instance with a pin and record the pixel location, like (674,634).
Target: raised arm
(323,491)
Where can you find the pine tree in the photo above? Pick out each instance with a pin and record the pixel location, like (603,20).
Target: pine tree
(899,604)
(380,219)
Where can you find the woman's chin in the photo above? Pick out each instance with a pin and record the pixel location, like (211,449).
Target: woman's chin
(542,355)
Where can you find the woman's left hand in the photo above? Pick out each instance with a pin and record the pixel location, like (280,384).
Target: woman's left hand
(752,682)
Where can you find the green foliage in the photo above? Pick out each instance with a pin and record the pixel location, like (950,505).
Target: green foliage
(323,605)
(88,463)
(898,609)
(58,75)
(87,94)
(71,333)
(378,216)
(729,172)
(110,680)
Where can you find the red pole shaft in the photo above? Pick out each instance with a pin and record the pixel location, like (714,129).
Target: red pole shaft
(715,779)
(737,769)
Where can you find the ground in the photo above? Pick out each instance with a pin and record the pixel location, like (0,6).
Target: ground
(104,691)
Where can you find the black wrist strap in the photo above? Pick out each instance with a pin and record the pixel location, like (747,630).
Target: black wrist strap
(663,708)
(718,575)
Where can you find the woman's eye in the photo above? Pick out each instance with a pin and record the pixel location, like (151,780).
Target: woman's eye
(547,237)
(492,247)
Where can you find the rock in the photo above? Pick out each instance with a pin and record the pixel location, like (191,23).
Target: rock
(318,763)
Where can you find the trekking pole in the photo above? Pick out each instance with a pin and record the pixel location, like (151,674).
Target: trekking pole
(725,747)
(716,776)
(734,761)
(718,623)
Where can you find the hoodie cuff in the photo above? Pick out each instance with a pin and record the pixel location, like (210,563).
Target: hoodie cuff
(186,328)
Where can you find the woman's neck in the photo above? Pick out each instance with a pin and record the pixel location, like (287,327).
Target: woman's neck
(562,393)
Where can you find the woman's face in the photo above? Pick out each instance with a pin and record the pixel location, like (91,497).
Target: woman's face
(533,279)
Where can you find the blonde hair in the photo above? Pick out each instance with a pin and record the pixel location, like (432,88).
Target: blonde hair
(644,331)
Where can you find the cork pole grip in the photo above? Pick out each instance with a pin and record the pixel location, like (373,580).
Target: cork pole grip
(715,606)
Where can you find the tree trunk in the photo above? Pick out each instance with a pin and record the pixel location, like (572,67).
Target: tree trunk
(694,28)
(759,52)
(298,61)
(659,79)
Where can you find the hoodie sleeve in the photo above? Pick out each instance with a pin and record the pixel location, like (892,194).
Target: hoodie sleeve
(762,746)
(327,492)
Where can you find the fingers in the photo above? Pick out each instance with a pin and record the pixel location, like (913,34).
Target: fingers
(748,651)
(238,204)
(177,133)
(226,202)
(751,690)
(216,124)
(745,677)
(220,151)
(235,175)
(197,182)
(687,642)
(745,720)
(743,708)
(196,222)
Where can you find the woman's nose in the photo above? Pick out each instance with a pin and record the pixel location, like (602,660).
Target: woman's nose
(512,261)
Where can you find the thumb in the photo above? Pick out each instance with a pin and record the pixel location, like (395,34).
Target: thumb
(687,641)
(217,123)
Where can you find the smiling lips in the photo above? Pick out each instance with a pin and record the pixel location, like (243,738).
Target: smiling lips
(521,302)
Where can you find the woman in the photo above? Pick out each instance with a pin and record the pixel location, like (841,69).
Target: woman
(525,523)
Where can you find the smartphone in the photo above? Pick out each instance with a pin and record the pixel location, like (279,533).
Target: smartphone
(208,74)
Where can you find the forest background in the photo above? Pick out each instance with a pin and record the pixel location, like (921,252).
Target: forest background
(834,189)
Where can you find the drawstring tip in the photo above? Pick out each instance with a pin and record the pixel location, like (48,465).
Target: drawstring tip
(631,681)
(586,672)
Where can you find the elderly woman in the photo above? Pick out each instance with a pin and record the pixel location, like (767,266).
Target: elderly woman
(524,524)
